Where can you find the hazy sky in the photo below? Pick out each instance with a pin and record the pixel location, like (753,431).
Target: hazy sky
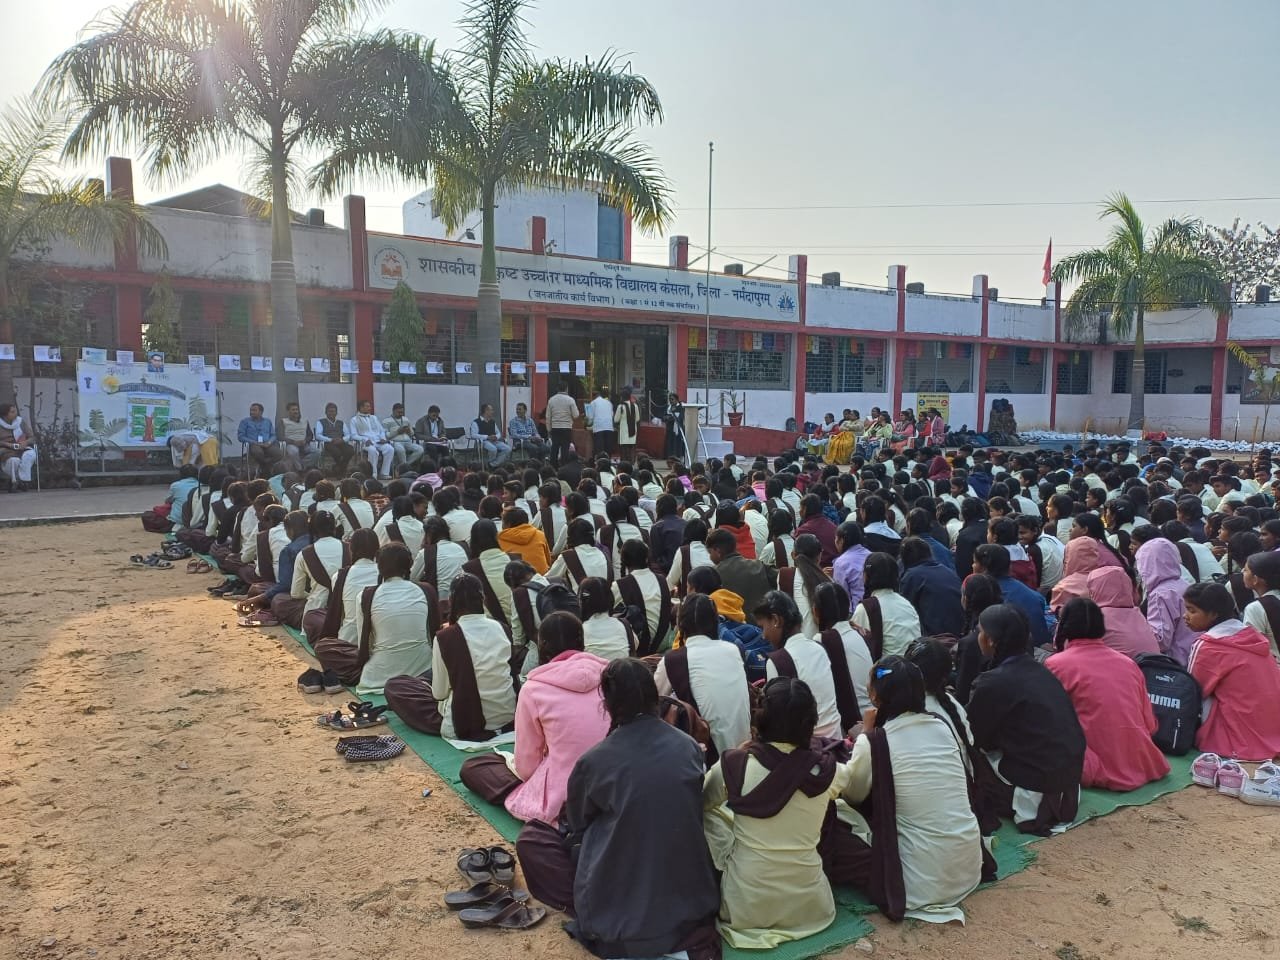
(828,117)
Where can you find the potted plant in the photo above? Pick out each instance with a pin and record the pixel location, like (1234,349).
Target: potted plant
(736,402)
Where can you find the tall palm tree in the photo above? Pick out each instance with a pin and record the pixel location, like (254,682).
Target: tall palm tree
(513,122)
(37,207)
(1135,272)
(192,80)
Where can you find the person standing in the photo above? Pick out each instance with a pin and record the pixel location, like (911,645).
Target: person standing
(259,436)
(600,422)
(366,432)
(562,410)
(522,432)
(400,432)
(296,437)
(488,437)
(16,452)
(626,420)
(332,437)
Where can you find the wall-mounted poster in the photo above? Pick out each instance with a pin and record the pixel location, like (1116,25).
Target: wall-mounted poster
(128,405)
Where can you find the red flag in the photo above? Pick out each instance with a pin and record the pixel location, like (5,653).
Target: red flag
(1048,264)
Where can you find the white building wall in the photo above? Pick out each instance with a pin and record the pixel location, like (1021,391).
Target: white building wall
(572,220)
(1031,410)
(849,308)
(952,315)
(761,408)
(1255,321)
(1017,321)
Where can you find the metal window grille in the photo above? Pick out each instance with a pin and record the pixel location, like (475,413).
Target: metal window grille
(939,366)
(1015,369)
(843,364)
(1075,373)
(1156,367)
(765,365)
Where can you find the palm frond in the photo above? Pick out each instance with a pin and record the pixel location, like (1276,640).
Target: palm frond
(1128,233)
(1085,265)
(1094,296)
(495,52)
(587,95)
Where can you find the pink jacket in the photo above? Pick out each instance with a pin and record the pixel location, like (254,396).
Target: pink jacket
(1160,567)
(1127,629)
(1110,697)
(559,717)
(1083,555)
(1233,665)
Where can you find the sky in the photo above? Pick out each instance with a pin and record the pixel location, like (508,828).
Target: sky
(953,138)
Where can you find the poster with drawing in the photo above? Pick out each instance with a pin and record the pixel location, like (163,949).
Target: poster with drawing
(135,406)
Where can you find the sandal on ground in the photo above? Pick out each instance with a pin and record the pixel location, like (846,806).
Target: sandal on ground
(312,681)
(350,743)
(366,714)
(199,566)
(245,608)
(482,894)
(176,551)
(502,864)
(138,560)
(262,618)
(507,914)
(474,865)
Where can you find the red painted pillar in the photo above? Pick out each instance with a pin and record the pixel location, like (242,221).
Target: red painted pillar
(1219,387)
(538,235)
(898,284)
(1053,294)
(539,388)
(798,271)
(626,238)
(129,299)
(362,332)
(980,283)
(678,253)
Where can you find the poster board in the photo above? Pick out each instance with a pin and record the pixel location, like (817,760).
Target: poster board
(940,400)
(138,406)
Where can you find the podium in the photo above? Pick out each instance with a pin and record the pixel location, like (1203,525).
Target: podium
(692,431)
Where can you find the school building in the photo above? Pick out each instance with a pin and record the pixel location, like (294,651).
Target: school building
(784,349)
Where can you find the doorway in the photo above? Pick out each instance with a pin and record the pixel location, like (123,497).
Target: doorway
(617,355)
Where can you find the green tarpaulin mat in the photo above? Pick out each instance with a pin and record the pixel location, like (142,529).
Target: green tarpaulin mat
(1013,850)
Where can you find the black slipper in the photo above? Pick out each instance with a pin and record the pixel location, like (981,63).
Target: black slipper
(482,894)
(507,914)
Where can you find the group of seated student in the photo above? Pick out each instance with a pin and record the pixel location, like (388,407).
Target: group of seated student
(887,660)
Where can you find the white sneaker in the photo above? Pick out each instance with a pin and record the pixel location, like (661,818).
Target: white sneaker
(1231,778)
(1262,793)
(1265,771)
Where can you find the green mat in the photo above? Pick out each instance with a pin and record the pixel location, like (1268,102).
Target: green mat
(1013,850)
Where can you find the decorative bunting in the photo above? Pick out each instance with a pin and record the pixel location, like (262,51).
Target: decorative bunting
(855,346)
(507,329)
(693,337)
(875,348)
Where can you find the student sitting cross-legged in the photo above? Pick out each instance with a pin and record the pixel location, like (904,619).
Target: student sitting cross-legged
(338,617)
(469,694)
(391,630)
(559,717)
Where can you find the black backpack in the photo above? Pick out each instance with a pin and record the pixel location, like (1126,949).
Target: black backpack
(1175,699)
(555,597)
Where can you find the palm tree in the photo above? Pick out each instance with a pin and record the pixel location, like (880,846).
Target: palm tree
(37,207)
(514,122)
(1134,273)
(191,80)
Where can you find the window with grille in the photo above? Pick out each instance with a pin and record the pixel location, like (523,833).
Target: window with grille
(1074,373)
(937,366)
(843,365)
(759,361)
(1015,369)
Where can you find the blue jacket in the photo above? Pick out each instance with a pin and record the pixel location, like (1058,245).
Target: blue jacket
(941,553)
(934,590)
(288,557)
(1031,604)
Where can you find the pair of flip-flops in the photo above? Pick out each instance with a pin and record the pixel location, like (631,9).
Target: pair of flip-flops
(176,551)
(369,747)
(155,561)
(491,901)
(199,565)
(262,618)
(362,715)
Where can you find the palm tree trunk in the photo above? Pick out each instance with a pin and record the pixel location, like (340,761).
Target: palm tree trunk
(8,390)
(1138,376)
(284,281)
(488,311)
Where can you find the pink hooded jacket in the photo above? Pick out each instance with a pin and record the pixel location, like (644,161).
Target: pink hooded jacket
(1233,665)
(559,717)
(1083,555)
(1160,567)
(1127,629)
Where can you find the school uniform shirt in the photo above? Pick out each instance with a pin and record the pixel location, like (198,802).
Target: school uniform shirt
(460,522)
(808,625)
(858,656)
(593,565)
(1026,506)
(490,659)
(698,557)
(813,666)
(329,551)
(277,540)
(362,573)
(398,643)
(494,564)
(248,533)
(307,499)
(758,524)
(647,580)
(769,554)
(1052,552)
(773,889)
(901,622)
(1240,680)
(410,528)
(606,637)
(623,532)
(363,511)
(449,560)
(559,522)
(934,706)
(325,506)
(1256,616)
(212,521)
(939,842)
(1208,564)
(719,688)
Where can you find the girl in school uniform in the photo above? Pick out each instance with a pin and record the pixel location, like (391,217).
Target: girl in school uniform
(353,511)
(1110,699)
(640,587)
(803,578)
(400,525)
(779,547)
(798,656)
(886,620)
(692,553)
(581,558)
(1262,577)
(605,635)
(850,659)
(1238,676)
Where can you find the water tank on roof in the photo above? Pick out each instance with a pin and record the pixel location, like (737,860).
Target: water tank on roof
(1262,293)
(315,217)
(831,279)
(993,294)
(733,268)
(916,287)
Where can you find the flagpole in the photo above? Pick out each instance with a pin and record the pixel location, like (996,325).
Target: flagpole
(706,414)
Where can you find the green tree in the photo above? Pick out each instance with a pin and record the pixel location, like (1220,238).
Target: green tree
(37,207)
(192,81)
(1136,272)
(401,331)
(163,320)
(511,122)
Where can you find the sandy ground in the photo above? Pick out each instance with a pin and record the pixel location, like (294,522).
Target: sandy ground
(165,793)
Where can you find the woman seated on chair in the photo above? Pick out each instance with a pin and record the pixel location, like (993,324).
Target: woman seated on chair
(469,695)
(559,717)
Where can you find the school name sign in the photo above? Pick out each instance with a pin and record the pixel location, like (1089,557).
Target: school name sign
(452,269)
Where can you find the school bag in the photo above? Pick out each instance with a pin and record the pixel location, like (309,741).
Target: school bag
(154,522)
(685,718)
(556,597)
(1175,699)
(750,641)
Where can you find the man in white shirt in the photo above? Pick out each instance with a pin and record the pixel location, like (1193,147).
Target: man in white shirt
(366,433)
(600,423)
(400,432)
(562,410)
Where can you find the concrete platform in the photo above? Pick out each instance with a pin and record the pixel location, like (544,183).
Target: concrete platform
(97,503)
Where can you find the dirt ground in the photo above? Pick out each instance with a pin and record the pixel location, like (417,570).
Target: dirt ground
(165,793)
